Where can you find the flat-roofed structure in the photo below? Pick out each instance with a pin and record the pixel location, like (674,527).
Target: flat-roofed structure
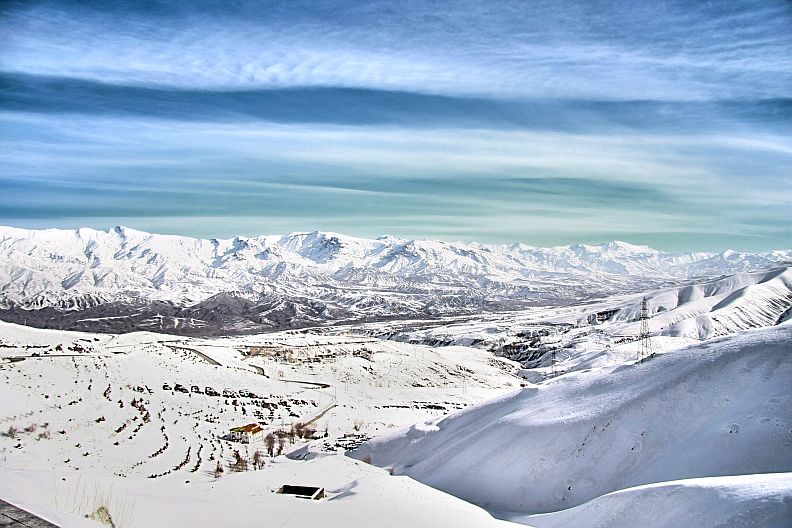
(302,492)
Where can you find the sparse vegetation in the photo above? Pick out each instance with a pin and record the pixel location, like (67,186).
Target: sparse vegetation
(269,442)
(11,432)
(258,459)
(240,463)
(100,505)
(102,515)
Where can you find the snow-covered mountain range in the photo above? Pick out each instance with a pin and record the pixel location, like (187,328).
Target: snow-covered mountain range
(123,279)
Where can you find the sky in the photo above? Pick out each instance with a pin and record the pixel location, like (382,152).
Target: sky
(542,122)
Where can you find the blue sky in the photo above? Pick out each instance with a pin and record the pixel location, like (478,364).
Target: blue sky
(666,123)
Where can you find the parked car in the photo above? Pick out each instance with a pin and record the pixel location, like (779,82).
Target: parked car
(180,388)
(165,386)
(209,391)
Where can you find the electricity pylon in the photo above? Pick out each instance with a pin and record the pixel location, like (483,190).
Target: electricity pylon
(645,347)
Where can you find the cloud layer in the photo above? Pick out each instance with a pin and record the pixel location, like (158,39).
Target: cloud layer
(581,49)
(548,122)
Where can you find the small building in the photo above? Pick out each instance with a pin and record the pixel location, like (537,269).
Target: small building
(302,492)
(247,433)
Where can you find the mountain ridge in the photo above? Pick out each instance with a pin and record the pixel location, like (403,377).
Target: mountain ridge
(309,278)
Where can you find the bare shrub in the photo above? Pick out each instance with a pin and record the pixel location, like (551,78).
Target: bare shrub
(358,424)
(258,459)
(100,505)
(102,515)
(12,432)
(240,462)
(269,442)
(367,459)
(218,472)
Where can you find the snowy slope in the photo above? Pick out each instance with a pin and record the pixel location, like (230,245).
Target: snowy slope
(85,416)
(721,307)
(723,407)
(712,502)
(124,279)
(360,496)
(605,331)
(699,436)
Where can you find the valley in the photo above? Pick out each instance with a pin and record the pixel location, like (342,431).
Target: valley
(545,416)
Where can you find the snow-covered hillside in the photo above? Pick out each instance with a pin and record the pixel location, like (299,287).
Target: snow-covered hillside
(696,436)
(715,308)
(124,279)
(763,500)
(605,331)
(97,417)
(719,408)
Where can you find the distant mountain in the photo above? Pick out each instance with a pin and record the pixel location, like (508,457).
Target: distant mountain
(123,279)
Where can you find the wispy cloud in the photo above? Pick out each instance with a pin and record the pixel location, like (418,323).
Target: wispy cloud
(581,49)
(505,185)
(543,122)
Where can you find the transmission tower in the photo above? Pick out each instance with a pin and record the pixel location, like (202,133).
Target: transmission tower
(645,350)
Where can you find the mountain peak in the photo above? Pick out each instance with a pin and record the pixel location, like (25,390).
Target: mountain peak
(333,273)
(626,247)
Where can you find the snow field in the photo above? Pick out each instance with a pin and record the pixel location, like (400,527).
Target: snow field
(163,449)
